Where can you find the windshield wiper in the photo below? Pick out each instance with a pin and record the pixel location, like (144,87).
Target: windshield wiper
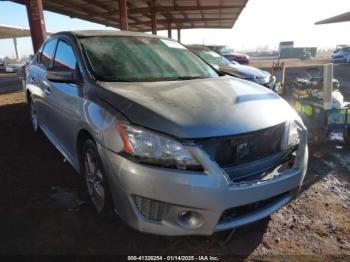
(120,79)
(117,79)
(189,77)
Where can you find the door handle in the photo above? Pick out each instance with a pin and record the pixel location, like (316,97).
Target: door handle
(47,91)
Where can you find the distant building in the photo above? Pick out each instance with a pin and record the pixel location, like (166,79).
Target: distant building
(287,50)
(286,44)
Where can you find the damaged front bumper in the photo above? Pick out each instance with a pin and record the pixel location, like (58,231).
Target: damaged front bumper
(179,202)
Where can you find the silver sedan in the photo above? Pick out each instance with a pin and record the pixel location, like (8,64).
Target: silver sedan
(162,138)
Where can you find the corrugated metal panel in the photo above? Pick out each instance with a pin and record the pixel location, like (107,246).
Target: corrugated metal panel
(297,52)
(180,13)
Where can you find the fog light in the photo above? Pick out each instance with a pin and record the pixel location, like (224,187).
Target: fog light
(190,219)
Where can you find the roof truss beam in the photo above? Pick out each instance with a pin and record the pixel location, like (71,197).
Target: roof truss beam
(174,9)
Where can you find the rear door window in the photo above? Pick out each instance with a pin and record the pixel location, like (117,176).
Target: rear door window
(65,58)
(48,53)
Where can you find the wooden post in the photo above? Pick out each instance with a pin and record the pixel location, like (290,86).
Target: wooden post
(123,15)
(36,22)
(327,86)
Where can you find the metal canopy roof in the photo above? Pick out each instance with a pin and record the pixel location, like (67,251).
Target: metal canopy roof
(10,31)
(336,19)
(182,14)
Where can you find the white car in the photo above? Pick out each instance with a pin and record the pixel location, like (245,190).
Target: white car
(13,68)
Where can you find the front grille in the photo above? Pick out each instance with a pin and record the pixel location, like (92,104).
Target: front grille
(240,149)
(233,213)
(151,209)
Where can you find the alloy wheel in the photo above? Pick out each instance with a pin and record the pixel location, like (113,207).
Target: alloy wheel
(94,179)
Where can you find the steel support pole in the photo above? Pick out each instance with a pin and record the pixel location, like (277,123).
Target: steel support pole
(154,18)
(179,34)
(123,15)
(169,30)
(36,22)
(16,47)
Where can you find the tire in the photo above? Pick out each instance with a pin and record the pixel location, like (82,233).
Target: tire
(318,136)
(346,136)
(34,116)
(96,182)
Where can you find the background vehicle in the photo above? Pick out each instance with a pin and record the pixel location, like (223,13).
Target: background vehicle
(13,68)
(175,148)
(233,68)
(228,53)
(2,64)
(341,55)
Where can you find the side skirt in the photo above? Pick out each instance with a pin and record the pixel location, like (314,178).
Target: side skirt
(52,138)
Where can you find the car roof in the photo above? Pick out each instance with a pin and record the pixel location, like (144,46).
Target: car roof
(92,33)
(216,45)
(197,46)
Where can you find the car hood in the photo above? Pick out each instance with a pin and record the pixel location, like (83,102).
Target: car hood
(243,71)
(197,108)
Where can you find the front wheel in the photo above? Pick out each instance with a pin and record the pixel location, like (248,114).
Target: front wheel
(95,179)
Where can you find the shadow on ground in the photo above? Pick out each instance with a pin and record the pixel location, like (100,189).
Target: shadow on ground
(32,223)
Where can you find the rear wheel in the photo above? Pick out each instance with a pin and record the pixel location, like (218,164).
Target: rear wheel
(318,136)
(34,116)
(95,179)
(346,136)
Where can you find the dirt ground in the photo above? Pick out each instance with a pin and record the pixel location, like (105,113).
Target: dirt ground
(9,83)
(315,226)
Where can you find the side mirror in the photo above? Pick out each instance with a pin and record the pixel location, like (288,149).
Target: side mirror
(62,76)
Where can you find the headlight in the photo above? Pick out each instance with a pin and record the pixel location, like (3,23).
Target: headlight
(151,148)
(292,135)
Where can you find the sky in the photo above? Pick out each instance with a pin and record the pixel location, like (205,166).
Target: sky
(262,24)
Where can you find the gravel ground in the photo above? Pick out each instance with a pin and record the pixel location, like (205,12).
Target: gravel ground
(315,226)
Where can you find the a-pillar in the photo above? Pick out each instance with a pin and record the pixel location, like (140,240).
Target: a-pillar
(36,22)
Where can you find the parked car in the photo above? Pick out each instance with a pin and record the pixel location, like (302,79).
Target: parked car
(341,55)
(2,64)
(160,136)
(13,68)
(228,53)
(233,68)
